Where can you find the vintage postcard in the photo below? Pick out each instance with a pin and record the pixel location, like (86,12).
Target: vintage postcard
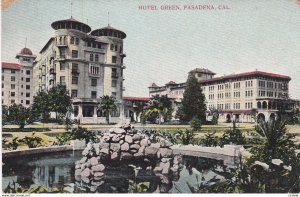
(150,96)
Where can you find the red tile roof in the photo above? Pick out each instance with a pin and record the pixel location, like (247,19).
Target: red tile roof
(136,98)
(10,66)
(246,74)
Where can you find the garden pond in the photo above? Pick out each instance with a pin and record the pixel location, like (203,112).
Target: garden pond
(57,170)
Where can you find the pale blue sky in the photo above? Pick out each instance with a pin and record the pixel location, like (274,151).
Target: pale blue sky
(165,45)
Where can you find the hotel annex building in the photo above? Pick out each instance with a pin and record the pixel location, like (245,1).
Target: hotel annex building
(244,97)
(89,63)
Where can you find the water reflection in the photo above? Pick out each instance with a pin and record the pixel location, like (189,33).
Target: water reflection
(57,170)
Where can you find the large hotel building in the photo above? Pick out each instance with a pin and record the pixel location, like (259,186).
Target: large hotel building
(89,63)
(244,97)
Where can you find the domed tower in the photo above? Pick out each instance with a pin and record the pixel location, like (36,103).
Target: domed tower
(113,67)
(26,60)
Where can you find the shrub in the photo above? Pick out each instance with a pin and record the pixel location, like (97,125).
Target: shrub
(195,123)
(210,140)
(14,143)
(76,133)
(233,136)
(186,137)
(32,141)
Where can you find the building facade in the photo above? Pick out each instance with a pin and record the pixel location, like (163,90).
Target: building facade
(244,97)
(89,63)
(17,80)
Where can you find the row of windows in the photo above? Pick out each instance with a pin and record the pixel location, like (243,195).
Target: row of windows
(236,106)
(281,86)
(13,94)
(248,105)
(94,81)
(249,83)
(236,94)
(249,93)
(236,85)
(92,57)
(114,47)
(13,101)
(74,94)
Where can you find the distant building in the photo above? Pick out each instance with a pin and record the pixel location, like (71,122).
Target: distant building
(17,80)
(134,107)
(90,65)
(244,97)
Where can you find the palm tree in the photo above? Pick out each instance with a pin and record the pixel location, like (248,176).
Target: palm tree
(107,104)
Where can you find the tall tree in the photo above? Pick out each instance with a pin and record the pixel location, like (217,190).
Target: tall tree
(4,114)
(161,105)
(20,115)
(107,104)
(59,100)
(41,105)
(193,102)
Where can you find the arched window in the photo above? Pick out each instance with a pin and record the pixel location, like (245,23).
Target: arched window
(96,58)
(91,57)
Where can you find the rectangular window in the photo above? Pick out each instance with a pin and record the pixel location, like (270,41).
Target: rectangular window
(62,66)
(13,78)
(96,57)
(27,87)
(12,94)
(13,86)
(93,94)
(13,71)
(27,102)
(62,53)
(113,83)
(63,80)
(114,72)
(74,80)
(111,47)
(72,40)
(91,57)
(27,79)
(12,101)
(114,59)
(93,82)
(114,94)
(27,94)
(95,70)
(77,41)
(74,93)
(74,67)
(116,47)
(2,77)
(74,54)
(27,72)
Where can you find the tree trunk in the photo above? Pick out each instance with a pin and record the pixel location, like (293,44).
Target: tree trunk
(107,118)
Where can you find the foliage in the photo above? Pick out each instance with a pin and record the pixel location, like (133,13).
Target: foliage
(195,123)
(41,105)
(4,143)
(17,188)
(14,143)
(4,115)
(210,139)
(32,141)
(57,100)
(233,136)
(186,137)
(138,187)
(193,102)
(107,104)
(267,175)
(20,115)
(215,115)
(160,106)
(76,133)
